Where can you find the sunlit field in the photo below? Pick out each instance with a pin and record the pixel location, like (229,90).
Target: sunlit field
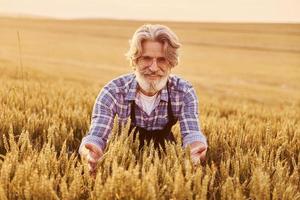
(247,77)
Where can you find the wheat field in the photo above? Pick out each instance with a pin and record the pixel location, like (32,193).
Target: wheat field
(247,77)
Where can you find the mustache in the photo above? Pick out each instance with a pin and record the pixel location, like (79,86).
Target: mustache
(152,74)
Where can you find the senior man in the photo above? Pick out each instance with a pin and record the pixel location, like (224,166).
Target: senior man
(153,99)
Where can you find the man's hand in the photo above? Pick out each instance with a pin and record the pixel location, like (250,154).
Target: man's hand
(198,152)
(92,154)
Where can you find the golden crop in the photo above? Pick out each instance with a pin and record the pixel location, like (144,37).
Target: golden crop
(249,107)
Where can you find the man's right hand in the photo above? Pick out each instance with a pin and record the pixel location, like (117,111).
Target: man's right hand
(92,154)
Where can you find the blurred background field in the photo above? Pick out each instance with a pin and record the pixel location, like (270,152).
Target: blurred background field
(258,62)
(247,78)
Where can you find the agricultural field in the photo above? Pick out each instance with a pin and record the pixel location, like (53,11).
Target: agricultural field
(247,77)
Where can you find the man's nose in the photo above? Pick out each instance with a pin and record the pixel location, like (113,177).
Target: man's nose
(153,67)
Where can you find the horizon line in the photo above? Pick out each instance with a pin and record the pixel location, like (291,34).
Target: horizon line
(33,16)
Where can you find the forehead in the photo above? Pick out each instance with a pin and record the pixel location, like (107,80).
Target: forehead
(152,48)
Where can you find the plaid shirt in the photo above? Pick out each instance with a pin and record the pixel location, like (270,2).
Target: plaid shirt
(114,99)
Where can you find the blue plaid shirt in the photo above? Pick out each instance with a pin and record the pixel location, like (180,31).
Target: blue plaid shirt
(115,97)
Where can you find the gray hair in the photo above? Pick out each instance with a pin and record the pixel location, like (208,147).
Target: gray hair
(156,32)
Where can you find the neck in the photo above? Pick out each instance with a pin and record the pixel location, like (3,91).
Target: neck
(150,94)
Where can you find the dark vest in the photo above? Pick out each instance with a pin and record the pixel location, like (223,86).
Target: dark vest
(159,137)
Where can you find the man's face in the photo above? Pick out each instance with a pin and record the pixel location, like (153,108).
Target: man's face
(152,68)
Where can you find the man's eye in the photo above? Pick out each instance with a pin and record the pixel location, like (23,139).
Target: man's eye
(147,58)
(161,60)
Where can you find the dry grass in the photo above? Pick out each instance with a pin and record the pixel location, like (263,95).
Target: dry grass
(247,77)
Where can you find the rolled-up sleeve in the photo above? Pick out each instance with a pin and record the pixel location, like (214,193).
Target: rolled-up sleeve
(102,120)
(189,119)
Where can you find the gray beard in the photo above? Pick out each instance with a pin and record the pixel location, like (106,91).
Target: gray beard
(153,86)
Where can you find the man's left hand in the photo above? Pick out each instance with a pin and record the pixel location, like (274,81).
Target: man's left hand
(198,152)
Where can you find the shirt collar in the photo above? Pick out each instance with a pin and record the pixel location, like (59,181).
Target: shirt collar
(164,94)
(131,94)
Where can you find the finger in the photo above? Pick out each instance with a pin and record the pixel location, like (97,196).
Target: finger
(92,167)
(90,147)
(195,160)
(93,175)
(94,155)
(203,156)
(95,150)
(83,152)
(198,158)
(93,172)
(91,158)
(198,149)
